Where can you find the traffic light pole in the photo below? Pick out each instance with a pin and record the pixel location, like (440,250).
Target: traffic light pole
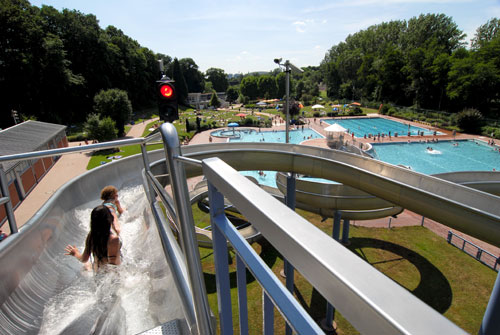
(287,101)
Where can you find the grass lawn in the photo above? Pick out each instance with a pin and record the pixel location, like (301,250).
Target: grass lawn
(102,155)
(442,276)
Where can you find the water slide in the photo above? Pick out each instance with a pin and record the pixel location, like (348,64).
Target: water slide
(35,273)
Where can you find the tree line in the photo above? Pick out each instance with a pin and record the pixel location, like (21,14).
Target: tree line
(55,64)
(422,62)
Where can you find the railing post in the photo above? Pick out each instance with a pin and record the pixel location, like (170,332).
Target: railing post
(288,267)
(241,278)
(145,159)
(220,262)
(8,205)
(268,317)
(188,240)
(327,323)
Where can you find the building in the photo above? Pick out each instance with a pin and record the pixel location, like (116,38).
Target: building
(202,100)
(22,176)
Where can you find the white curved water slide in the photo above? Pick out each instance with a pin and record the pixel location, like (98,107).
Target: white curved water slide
(33,273)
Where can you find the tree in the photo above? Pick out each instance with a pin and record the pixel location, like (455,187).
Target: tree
(249,87)
(115,104)
(100,129)
(232,94)
(485,33)
(281,85)
(194,77)
(214,101)
(218,78)
(180,83)
(267,87)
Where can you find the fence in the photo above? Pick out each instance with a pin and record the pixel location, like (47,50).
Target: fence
(473,250)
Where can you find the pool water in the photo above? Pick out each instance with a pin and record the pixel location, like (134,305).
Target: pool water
(375,125)
(279,136)
(446,156)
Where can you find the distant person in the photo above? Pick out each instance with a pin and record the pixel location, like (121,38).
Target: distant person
(3,235)
(101,243)
(109,195)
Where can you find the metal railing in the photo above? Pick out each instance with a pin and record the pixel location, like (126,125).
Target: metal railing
(188,279)
(483,256)
(369,300)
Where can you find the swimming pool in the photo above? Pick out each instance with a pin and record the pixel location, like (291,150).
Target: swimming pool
(278,136)
(445,156)
(375,125)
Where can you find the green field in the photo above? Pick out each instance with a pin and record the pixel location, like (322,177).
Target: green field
(450,281)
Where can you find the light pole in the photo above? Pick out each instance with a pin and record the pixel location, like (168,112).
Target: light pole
(288,68)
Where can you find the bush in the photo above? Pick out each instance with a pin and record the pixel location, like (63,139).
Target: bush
(488,130)
(470,120)
(115,104)
(100,129)
(77,137)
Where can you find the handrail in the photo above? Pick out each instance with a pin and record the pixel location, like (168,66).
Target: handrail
(186,226)
(378,305)
(70,150)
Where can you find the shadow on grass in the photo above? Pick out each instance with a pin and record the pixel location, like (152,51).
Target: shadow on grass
(268,254)
(433,289)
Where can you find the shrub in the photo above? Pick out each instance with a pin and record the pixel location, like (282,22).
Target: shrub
(470,120)
(100,129)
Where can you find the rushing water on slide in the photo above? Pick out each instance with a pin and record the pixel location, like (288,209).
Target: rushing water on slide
(126,299)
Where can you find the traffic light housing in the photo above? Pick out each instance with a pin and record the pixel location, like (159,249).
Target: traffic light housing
(167,100)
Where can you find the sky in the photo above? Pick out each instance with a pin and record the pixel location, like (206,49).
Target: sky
(246,36)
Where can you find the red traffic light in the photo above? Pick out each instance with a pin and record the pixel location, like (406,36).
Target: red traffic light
(167,91)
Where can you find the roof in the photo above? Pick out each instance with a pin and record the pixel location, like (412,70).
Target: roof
(27,136)
(336,128)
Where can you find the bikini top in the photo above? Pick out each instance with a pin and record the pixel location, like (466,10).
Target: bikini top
(110,204)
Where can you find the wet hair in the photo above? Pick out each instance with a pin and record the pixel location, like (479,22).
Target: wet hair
(108,192)
(97,239)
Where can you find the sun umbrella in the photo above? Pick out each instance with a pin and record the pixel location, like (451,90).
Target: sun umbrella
(301,106)
(241,115)
(262,103)
(317,106)
(335,128)
(233,124)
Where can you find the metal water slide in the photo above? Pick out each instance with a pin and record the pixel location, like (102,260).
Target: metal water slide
(29,276)
(473,212)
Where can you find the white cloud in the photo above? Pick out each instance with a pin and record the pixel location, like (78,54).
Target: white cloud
(300,26)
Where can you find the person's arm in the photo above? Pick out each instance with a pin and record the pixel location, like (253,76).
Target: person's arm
(114,246)
(71,250)
(119,206)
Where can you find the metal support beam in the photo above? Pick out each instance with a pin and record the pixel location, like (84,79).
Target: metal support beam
(188,240)
(8,205)
(345,232)
(491,319)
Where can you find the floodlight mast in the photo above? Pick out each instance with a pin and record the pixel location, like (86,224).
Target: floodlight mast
(288,68)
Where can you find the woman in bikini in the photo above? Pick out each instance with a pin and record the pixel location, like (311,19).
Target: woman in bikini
(101,242)
(109,195)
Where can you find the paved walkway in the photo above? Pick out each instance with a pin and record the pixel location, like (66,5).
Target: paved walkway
(65,169)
